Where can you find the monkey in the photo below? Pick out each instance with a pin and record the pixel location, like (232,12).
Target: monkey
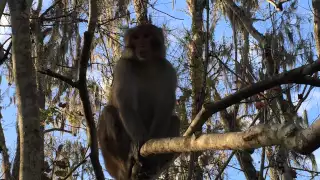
(140,106)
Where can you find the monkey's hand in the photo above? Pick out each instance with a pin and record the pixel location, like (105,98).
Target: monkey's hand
(135,150)
(137,160)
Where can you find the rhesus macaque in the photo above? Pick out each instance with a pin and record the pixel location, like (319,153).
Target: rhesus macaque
(140,106)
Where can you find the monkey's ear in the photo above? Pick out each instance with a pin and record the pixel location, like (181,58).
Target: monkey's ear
(127,37)
(160,36)
(160,32)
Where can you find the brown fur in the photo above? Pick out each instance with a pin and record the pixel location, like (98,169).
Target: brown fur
(141,105)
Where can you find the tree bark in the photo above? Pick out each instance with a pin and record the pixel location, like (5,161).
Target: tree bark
(195,51)
(5,156)
(316,21)
(26,91)
(16,162)
(2,6)
(140,7)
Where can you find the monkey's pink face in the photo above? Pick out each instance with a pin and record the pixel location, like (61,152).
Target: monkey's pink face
(142,45)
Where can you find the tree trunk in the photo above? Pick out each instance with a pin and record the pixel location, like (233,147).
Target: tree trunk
(26,91)
(316,20)
(195,52)
(140,7)
(39,62)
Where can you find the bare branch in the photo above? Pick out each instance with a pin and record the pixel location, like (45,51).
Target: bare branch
(57,129)
(75,168)
(49,8)
(5,57)
(221,170)
(152,6)
(303,141)
(59,76)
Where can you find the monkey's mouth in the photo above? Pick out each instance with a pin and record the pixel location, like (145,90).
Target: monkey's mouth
(142,54)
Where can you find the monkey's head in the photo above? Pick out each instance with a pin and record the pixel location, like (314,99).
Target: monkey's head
(144,42)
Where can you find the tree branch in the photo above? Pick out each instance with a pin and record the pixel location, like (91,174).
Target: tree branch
(75,168)
(303,141)
(4,58)
(297,75)
(49,8)
(83,91)
(60,77)
(246,21)
(57,129)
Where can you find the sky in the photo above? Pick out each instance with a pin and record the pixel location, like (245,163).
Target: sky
(179,11)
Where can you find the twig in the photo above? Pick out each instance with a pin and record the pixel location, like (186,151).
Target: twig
(262,163)
(6,54)
(152,6)
(57,129)
(60,77)
(225,165)
(303,99)
(49,8)
(76,167)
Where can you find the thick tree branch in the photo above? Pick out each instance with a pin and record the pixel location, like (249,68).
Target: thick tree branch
(297,75)
(288,135)
(309,81)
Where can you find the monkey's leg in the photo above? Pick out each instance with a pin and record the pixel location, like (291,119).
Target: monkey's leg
(114,143)
(174,131)
(152,164)
(174,127)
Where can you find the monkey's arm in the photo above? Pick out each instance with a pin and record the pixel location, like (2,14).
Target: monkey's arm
(164,104)
(126,98)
